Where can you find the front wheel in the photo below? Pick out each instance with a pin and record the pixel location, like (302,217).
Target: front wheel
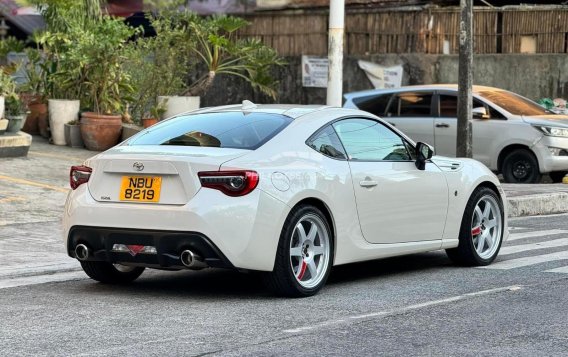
(304,256)
(521,166)
(481,231)
(111,273)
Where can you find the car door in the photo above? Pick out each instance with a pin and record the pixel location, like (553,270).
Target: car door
(411,113)
(396,202)
(485,132)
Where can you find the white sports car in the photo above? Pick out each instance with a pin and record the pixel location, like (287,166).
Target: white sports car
(286,190)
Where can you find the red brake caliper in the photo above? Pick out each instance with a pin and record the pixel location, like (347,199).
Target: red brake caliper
(302,270)
(476,231)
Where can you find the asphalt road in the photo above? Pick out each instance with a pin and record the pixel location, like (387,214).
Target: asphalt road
(417,305)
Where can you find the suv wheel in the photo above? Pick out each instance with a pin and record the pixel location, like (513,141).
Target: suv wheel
(521,166)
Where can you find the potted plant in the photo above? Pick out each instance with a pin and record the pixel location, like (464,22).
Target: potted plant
(16,113)
(73,134)
(107,86)
(155,113)
(33,92)
(7,88)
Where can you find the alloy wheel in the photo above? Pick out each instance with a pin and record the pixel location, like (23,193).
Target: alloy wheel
(486,227)
(309,250)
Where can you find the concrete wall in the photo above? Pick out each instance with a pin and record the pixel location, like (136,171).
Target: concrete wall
(534,76)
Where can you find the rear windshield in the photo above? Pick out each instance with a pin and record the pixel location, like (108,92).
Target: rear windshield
(234,130)
(513,103)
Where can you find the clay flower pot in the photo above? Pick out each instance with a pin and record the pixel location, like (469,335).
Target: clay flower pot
(100,132)
(148,122)
(37,118)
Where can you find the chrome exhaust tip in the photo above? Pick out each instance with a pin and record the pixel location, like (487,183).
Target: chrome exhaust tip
(191,260)
(82,252)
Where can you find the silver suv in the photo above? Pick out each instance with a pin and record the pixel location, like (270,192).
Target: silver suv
(512,135)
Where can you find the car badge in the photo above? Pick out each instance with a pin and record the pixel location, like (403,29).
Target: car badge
(138,166)
(135,249)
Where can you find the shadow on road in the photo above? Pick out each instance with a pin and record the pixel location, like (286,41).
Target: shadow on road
(220,283)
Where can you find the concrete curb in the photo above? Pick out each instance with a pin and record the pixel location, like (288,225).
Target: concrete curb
(538,204)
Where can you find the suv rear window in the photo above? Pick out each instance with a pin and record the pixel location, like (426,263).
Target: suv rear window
(234,130)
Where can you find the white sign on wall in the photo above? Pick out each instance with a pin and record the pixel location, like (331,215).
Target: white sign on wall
(382,77)
(314,71)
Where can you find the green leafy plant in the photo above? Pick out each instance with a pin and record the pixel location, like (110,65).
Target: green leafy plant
(99,58)
(222,53)
(11,44)
(157,111)
(159,65)
(36,80)
(7,84)
(15,106)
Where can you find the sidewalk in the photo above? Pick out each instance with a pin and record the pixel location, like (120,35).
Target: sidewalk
(33,191)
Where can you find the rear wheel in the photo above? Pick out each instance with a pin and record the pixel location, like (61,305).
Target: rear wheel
(557,176)
(111,273)
(521,166)
(304,256)
(481,231)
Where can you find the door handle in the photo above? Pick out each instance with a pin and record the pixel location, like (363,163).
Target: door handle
(391,123)
(442,125)
(368,183)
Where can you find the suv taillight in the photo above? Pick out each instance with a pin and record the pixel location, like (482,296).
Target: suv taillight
(79,175)
(231,183)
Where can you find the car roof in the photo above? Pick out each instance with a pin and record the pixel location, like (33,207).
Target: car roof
(450,87)
(290,110)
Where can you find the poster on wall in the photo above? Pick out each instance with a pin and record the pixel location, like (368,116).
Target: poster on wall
(382,77)
(314,71)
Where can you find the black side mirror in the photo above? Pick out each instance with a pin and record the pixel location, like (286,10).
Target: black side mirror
(424,152)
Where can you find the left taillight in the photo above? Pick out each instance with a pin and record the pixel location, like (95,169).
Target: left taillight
(79,175)
(231,183)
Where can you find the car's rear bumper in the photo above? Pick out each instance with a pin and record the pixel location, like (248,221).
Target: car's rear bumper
(168,244)
(244,230)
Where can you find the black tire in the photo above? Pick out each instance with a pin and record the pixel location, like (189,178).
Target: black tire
(105,272)
(557,176)
(282,281)
(521,166)
(466,254)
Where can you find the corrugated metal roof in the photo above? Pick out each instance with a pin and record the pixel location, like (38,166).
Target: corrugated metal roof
(26,23)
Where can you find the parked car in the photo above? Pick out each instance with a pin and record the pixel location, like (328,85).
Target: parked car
(512,135)
(288,191)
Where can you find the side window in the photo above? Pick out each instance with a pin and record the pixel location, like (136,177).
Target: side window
(411,104)
(449,107)
(368,140)
(327,143)
(373,104)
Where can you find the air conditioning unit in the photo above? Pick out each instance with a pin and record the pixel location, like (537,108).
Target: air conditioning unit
(272,4)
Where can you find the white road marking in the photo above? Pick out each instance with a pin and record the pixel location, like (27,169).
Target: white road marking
(563,270)
(532,246)
(41,279)
(526,261)
(534,234)
(403,310)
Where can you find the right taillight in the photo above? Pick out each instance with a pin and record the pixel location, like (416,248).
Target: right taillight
(79,175)
(231,183)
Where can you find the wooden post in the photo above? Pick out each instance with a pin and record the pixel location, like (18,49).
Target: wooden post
(465,81)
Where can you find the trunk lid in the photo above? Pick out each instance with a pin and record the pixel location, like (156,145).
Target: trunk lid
(154,173)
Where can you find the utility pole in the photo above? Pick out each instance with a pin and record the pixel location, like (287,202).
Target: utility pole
(465,81)
(335,52)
